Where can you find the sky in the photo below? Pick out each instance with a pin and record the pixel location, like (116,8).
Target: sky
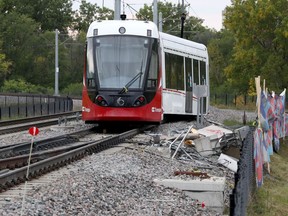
(208,10)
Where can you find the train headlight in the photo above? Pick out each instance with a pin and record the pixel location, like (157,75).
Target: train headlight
(141,100)
(100,100)
(122,30)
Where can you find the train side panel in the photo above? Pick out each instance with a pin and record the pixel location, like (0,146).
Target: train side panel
(185,67)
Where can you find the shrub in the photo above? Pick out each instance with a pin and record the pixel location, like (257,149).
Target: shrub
(74,89)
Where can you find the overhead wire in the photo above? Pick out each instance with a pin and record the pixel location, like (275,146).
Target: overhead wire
(131,8)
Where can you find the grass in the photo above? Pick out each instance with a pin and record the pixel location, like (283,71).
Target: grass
(272,198)
(240,106)
(232,122)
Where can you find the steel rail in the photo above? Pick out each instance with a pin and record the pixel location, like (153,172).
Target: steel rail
(24,148)
(37,118)
(41,121)
(10,178)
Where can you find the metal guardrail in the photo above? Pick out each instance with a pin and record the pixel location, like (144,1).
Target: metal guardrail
(27,105)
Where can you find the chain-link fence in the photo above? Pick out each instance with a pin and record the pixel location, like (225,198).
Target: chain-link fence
(232,100)
(14,106)
(244,178)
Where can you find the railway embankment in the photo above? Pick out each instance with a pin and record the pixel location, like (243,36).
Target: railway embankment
(124,180)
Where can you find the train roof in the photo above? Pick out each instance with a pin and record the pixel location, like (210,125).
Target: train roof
(171,43)
(189,48)
(132,27)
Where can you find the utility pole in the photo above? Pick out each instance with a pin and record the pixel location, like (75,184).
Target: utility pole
(155,12)
(183,17)
(56,93)
(160,22)
(117,10)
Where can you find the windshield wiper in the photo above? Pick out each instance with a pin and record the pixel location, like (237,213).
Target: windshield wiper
(125,88)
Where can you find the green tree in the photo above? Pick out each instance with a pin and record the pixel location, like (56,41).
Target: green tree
(49,15)
(220,51)
(71,55)
(171,13)
(261,45)
(88,13)
(4,64)
(4,67)
(29,50)
(18,33)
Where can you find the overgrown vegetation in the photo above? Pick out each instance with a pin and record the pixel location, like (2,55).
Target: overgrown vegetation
(21,86)
(272,197)
(253,42)
(74,89)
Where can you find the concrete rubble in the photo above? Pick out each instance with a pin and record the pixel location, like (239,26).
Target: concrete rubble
(206,148)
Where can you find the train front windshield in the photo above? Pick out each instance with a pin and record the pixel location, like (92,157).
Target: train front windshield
(121,61)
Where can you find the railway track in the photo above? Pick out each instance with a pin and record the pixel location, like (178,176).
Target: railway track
(47,161)
(17,125)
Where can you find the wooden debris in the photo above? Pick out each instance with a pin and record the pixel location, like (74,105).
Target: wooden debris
(193,173)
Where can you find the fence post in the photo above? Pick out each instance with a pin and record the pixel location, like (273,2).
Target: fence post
(33,102)
(54,105)
(18,106)
(26,107)
(235,100)
(58,105)
(226,99)
(41,105)
(245,99)
(48,108)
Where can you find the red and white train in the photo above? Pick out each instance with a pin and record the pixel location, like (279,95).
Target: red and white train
(134,73)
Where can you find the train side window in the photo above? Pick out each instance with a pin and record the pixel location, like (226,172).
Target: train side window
(151,83)
(202,73)
(174,67)
(91,82)
(168,70)
(154,67)
(90,69)
(196,72)
(188,69)
(179,71)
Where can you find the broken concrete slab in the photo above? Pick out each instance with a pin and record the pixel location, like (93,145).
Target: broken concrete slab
(214,133)
(211,184)
(213,200)
(210,191)
(229,162)
(203,146)
(214,130)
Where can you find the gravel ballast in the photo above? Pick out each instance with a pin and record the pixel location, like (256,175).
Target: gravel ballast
(121,183)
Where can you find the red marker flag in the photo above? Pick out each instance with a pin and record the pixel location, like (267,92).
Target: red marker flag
(33,131)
